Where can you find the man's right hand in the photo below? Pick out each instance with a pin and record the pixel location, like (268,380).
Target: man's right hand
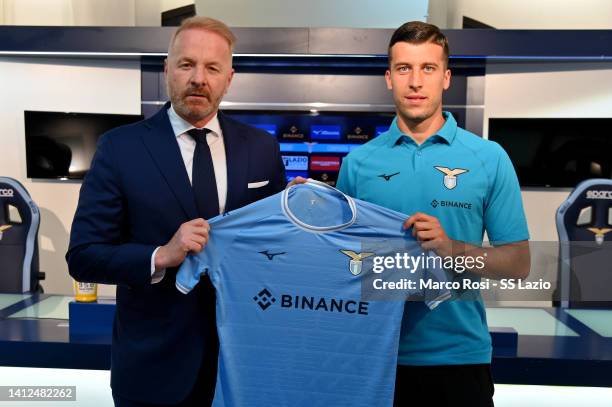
(191,237)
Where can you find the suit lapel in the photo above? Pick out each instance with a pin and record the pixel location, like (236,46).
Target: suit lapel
(236,156)
(164,149)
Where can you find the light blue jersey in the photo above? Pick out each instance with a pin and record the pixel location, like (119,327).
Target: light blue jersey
(469,184)
(295,324)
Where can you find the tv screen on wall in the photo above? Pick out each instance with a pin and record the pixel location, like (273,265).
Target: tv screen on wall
(556,152)
(61,145)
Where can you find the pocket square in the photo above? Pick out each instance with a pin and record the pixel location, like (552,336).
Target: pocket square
(259,184)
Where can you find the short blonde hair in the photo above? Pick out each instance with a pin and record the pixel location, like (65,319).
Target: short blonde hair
(205,23)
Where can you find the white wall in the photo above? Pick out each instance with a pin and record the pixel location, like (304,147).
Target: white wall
(314,13)
(540,14)
(524,14)
(76,85)
(37,12)
(86,12)
(104,13)
(147,13)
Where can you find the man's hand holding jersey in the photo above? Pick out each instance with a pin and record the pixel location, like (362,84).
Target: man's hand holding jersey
(297,180)
(510,260)
(191,237)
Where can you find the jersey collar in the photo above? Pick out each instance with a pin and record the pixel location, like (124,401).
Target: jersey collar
(446,133)
(317,229)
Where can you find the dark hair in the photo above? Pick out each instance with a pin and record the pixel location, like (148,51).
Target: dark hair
(418,32)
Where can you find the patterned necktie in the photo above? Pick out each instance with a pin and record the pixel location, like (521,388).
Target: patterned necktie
(203,176)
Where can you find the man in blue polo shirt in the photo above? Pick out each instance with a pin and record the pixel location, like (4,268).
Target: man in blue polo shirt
(455,186)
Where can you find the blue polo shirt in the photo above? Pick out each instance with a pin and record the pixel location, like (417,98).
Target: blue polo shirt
(470,185)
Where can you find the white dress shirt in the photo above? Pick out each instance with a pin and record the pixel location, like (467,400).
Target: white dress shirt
(187,144)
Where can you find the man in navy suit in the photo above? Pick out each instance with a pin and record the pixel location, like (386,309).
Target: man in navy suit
(143,207)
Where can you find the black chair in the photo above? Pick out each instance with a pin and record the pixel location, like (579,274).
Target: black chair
(19,222)
(584,225)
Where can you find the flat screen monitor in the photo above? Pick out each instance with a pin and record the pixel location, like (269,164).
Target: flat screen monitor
(556,152)
(61,145)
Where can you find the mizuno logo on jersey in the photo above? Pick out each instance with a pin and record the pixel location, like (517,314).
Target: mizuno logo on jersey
(600,234)
(450,176)
(355,265)
(269,255)
(387,177)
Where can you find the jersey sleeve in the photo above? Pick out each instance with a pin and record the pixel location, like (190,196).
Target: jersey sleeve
(223,229)
(436,273)
(504,216)
(432,280)
(190,272)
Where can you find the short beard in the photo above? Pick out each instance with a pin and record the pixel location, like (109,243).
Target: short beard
(185,111)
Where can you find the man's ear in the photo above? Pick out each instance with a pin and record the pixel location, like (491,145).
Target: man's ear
(447,79)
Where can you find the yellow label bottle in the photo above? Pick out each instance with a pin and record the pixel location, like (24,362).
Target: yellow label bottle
(85,292)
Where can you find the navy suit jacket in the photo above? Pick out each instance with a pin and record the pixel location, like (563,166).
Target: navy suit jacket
(133,199)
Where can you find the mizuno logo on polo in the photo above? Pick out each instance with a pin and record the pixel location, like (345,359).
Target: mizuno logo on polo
(7,192)
(450,176)
(599,194)
(600,234)
(388,177)
(269,255)
(355,265)
(265,299)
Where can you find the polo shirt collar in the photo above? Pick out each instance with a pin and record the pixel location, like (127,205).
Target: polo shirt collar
(446,133)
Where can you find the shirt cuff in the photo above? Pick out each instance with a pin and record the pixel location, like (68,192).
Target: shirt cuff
(156,275)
